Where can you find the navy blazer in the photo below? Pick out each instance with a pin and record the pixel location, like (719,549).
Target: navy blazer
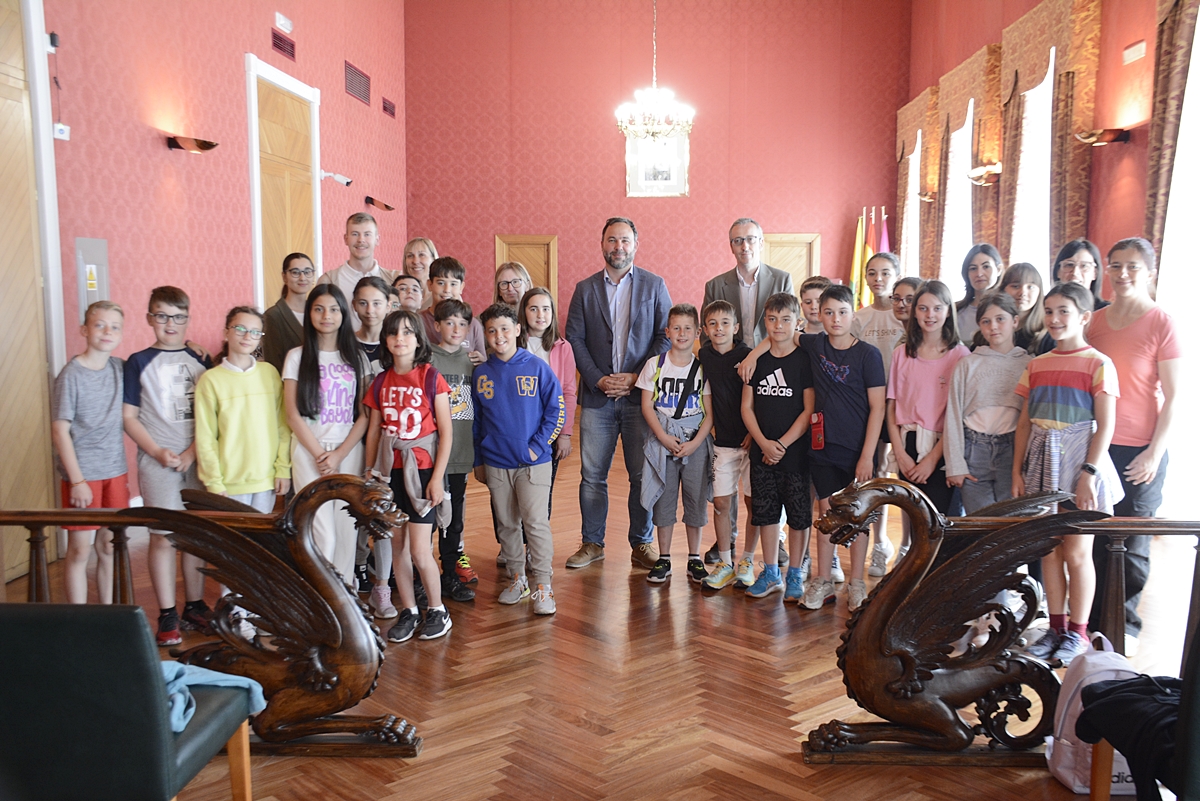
(590,330)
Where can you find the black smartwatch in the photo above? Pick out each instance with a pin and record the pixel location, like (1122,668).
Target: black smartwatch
(1088,467)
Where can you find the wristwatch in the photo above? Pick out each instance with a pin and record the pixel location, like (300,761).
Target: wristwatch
(1088,467)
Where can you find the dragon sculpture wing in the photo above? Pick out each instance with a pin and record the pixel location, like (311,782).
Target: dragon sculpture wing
(293,610)
(203,501)
(937,612)
(1025,506)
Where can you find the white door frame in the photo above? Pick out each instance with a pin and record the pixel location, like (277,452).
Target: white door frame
(255,69)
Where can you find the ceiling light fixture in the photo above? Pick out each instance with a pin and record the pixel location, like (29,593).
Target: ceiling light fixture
(655,112)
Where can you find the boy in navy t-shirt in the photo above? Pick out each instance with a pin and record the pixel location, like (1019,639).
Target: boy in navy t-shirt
(851,388)
(777,405)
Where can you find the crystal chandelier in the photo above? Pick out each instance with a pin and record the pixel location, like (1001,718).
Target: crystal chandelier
(654,113)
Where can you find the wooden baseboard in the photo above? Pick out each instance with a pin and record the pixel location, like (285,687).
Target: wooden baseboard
(977,756)
(345,746)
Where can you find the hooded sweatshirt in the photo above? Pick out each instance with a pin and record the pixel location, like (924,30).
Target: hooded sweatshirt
(985,381)
(519,409)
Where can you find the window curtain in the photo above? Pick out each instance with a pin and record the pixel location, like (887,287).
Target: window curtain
(973,84)
(1172,56)
(1072,27)
(920,114)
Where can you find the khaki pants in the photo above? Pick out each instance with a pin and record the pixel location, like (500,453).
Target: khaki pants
(520,498)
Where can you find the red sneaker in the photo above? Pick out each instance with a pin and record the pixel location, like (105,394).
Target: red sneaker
(463,569)
(168,629)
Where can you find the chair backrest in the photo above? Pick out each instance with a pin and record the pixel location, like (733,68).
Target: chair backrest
(1187,728)
(83,705)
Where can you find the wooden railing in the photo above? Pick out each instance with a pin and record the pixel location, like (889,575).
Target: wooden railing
(36,522)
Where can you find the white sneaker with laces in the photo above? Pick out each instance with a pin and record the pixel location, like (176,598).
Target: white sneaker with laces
(880,554)
(543,600)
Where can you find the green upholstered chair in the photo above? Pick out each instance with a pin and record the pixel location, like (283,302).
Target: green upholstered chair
(83,710)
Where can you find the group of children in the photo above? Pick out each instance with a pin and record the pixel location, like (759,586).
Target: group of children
(421,397)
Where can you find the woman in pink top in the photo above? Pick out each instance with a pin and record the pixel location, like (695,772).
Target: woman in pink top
(1142,341)
(919,388)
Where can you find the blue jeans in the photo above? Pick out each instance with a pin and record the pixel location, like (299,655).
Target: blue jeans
(598,432)
(989,458)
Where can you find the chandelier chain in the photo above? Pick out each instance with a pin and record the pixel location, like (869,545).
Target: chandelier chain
(654,44)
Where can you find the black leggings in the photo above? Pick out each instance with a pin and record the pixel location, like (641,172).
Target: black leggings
(936,487)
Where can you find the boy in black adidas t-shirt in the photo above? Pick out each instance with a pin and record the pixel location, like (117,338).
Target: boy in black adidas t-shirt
(777,406)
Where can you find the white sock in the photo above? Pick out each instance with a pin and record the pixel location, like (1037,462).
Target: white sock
(727,557)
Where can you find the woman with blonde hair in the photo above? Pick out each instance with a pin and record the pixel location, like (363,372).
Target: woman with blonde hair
(419,253)
(512,281)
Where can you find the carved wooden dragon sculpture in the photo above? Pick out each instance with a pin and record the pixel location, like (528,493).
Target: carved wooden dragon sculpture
(896,653)
(324,653)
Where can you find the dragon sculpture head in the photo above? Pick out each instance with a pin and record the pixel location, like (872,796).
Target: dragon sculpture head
(854,509)
(370,503)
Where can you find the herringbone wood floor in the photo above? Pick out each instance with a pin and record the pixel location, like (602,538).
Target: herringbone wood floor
(631,691)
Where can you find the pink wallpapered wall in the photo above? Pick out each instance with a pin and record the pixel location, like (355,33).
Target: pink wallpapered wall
(511,128)
(133,71)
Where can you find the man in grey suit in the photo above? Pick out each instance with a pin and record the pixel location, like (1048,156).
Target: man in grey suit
(748,285)
(617,320)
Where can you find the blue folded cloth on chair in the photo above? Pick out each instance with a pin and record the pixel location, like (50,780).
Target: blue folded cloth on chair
(182,705)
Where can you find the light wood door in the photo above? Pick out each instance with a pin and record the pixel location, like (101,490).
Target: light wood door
(285,161)
(26,470)
(799,254)
(539,254)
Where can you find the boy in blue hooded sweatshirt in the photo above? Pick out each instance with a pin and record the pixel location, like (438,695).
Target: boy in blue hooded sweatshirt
(519,412)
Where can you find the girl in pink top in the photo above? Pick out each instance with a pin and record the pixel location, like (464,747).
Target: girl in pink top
(539,335)
(918,389)
(1142,341)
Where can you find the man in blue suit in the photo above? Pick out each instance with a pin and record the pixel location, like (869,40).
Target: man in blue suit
(617,320)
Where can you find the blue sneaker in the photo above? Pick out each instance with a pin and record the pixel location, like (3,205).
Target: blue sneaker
(768,582)
(794,590)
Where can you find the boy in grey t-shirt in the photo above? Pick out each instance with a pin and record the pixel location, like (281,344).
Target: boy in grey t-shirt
(86,431)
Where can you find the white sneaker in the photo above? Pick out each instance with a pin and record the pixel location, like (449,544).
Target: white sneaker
(857,593)
(818,593)
(381,602)
(836,573)
(543,600)
(880,554)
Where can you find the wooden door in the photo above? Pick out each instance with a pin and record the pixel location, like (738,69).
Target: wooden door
(538,253)
(26,470)
(285,161)
(799,254)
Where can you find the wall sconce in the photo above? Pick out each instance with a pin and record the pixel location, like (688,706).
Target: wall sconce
(379,204)
(1103,136)
(189,144)
(927,197)
(986,174)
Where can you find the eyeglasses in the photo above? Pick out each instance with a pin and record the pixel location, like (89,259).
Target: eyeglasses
(1076,265)
(163,319)
(242,330)
(513,284)
(308,273)
(738,241)
(903,300)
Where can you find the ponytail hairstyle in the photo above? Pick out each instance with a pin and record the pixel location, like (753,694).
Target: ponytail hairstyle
(914,335)
(987,250)
(308,381)
(393,324)
(999,300)
(287,262)
(234,312)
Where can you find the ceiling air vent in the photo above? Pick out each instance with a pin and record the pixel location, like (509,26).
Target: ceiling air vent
(283,45)
(389,108)
(358,83)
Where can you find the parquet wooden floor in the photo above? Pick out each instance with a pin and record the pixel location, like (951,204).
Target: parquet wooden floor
(631,691)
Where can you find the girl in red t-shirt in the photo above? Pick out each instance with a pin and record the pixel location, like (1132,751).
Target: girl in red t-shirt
(410,417)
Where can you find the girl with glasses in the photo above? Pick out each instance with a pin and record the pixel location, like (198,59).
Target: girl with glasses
(285,320)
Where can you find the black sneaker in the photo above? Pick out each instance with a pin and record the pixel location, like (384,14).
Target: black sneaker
(406,624)
(363,579)
(783,558)
(437,623)
(660,572)
(696,571)
(168,629)
(196,617)
(455,590)
(712,555)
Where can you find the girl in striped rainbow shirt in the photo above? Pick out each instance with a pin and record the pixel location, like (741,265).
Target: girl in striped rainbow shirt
(1062,443)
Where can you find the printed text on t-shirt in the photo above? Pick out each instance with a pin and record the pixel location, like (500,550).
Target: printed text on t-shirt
(403,411)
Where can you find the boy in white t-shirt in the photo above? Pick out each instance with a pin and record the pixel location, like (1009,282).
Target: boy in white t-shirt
(676,406)
(878,325)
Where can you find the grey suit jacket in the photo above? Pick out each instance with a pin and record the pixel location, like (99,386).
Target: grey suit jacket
(590,330)
(725,287)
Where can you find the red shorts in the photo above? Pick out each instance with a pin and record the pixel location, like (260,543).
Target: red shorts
(109,493)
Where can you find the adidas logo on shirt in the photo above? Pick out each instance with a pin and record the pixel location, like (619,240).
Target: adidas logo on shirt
(774,384)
